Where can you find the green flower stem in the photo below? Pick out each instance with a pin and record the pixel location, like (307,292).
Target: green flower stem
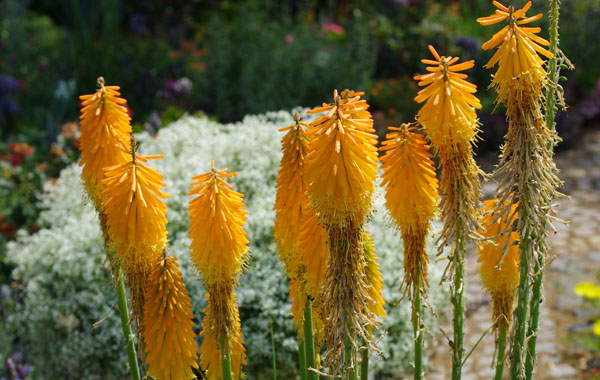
(552,64)
(225,356)
(457,300)
(536,295)
(129,336)
(418,333)
(364,364)
(302,359)
(534,317)
(309,345)
(518,344)
(273,349)
(350,374)
(501,349)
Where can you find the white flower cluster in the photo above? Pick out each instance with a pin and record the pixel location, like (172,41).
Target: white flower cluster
(68,287)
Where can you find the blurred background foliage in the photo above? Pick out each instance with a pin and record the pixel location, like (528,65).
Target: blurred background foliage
(230,58)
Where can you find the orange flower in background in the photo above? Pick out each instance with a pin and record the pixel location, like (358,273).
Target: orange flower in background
(135,212)
(219,244)
(169,340)
(104,140)
(499,258)
(519,47)
(448,114)
(342,162)
(291,189)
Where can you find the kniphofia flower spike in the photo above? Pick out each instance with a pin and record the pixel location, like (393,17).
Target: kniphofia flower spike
(104,140)
(171,348)
(448,114)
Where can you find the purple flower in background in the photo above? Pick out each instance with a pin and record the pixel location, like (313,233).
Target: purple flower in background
(137,23)
(289,38)
(467,44)
(8,85)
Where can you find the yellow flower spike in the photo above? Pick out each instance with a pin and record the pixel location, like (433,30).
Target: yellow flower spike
(219,251)
(135,212)
(411,196)
(219,244)
(340,168)
(498,254)
(342,162)
(291,189)
(104,140)
(373,274)
(210,354)
(448,114)
(169,340)
(519,48)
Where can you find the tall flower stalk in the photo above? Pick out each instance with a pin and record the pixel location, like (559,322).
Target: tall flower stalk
(219,251)
(411,195)
(499,270)
(104,141)
(450,121)
(340,168)
(554,100)
(290,206)
(528,175)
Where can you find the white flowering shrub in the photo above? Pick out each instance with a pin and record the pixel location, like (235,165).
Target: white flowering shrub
(67,280)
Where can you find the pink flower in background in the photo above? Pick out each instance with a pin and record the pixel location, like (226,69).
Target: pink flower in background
(289,38)
(333,27)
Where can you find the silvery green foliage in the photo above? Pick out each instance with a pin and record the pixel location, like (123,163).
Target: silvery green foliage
(68,288)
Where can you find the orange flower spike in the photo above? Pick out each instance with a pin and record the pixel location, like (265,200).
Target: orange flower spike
(219,243)
(291,188)
(411,196)
(135,212)
(409,177)
(342,162)
(314,250)
(169,340)
(104,140)
(499,258)
(448,114)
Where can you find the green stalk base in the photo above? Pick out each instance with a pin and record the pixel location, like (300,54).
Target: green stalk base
(418,333)
(459,306)
(518,343)
(225,357)
(127,333)
(302,360)
(501,349)
(309,345)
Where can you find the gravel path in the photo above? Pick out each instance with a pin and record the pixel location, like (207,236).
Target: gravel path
(577,250)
